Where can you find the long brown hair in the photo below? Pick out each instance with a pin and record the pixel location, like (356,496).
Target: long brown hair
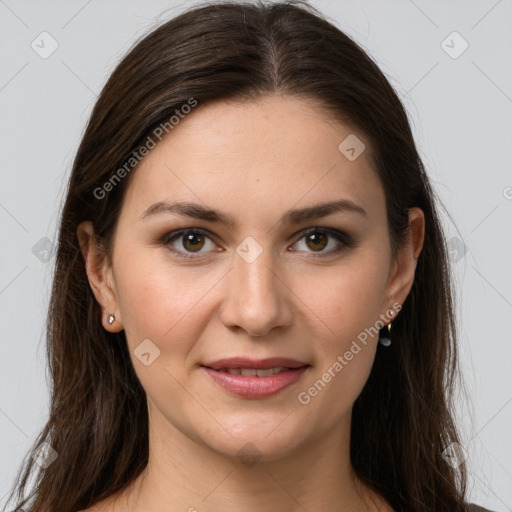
(403,419)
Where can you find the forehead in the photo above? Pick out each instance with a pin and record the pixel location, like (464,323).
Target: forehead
(262,156)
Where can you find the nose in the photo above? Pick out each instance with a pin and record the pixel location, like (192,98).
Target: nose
(257,297)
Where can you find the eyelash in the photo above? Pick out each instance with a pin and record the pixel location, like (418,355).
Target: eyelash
(341,237)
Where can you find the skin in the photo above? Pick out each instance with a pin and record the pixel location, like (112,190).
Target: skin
(253,161)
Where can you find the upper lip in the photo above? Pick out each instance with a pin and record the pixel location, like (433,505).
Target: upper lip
(262,364)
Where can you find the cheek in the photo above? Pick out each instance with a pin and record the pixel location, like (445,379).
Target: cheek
(165,304)
(162,301)
(348,306)
(347,299)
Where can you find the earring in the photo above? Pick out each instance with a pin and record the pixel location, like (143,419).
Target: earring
(111,319)
(384,340)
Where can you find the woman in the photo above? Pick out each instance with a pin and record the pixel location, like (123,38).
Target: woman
(252,306)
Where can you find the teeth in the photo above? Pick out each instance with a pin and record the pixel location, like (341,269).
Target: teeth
(268,371)
(251,372)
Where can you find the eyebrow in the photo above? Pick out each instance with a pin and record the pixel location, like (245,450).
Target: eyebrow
(198,211)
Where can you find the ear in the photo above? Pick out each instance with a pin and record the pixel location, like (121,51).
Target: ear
(401,277)
(99,273)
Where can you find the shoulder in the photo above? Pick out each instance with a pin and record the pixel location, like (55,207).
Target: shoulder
(475,508)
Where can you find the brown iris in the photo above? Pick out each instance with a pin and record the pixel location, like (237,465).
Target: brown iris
(190,242)
(316,240)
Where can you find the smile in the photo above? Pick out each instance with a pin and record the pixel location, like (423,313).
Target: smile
(255,383)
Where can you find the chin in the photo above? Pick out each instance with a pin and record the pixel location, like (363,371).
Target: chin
(250,445)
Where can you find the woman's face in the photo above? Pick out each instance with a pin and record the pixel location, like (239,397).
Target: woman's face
(257,286)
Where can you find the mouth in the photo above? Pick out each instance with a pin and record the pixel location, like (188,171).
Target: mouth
(255,379)
(244,363)
(256,372)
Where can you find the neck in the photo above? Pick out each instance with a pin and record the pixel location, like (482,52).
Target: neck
(185,475)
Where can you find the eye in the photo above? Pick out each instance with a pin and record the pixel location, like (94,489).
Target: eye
(317,239)
(188,242)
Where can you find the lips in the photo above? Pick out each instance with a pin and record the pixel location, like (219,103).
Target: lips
(253,379)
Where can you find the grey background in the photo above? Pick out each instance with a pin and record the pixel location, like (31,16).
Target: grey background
(460,109)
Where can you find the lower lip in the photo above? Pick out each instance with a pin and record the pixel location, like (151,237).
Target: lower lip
(256,387)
